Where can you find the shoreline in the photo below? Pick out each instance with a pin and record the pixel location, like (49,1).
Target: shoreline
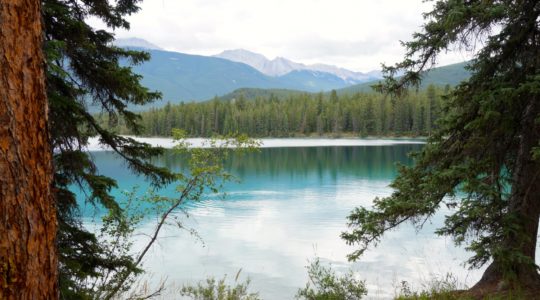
(168,143)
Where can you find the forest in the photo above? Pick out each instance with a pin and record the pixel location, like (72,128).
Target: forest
(361,114)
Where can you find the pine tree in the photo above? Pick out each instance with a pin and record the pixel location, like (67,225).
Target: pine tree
(84,71)
(483,160)
(430,104)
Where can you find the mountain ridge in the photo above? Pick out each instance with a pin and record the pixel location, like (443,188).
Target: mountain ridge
(186,77)
(451,75)
(281,66)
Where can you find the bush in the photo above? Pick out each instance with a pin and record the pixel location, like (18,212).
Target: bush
(324,284)
(218,290)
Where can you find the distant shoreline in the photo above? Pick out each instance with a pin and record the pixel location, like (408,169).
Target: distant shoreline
(168,143)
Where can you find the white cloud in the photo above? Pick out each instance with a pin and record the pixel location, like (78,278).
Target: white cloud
(356,34)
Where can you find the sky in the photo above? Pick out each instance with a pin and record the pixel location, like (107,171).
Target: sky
(354,34)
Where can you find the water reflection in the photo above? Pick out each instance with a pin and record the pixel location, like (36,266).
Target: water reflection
(291,206)
(364,161)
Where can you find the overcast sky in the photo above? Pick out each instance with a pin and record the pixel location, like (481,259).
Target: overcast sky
(355,34)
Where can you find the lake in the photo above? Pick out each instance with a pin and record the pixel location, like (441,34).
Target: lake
(290,207)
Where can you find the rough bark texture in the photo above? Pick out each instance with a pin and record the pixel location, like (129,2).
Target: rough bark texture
(28,264)
(525,203)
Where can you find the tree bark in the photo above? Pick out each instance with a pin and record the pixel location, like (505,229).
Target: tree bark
(525,205)
(28,263)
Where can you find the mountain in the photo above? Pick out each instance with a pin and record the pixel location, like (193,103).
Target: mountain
(352,77)
(441,76)
(252,93)
(185,77)
(135,42)
(312,81)
(450,74)
(281,66)
(276,67)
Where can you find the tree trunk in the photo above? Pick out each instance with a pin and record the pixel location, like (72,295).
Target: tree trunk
(28,263)
(525,205)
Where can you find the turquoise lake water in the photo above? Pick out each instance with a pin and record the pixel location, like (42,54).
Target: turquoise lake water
(290,207)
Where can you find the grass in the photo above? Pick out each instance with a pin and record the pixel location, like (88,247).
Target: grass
(463,295)
(448,288)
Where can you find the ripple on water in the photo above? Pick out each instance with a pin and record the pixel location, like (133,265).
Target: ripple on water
(290,207)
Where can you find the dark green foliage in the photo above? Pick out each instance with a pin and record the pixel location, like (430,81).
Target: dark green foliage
(252,93)
(83,72)
(479,161)
(298,115)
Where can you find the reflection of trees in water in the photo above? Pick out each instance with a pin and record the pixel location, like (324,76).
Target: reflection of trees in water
(374,162)
(271,166)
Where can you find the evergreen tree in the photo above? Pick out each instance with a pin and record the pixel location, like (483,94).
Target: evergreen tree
(430,105)
(84,72)
(483,160)
(304,114)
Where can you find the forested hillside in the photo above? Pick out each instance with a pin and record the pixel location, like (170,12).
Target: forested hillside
(253,93)
(362,114)
(451,74)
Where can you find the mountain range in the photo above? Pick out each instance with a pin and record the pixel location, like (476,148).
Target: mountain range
(446,75)
(280,66)
(186,77)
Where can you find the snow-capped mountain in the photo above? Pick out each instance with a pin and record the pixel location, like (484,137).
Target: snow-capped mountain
(348,75)
(280,66)
(187,77)
(276,67)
